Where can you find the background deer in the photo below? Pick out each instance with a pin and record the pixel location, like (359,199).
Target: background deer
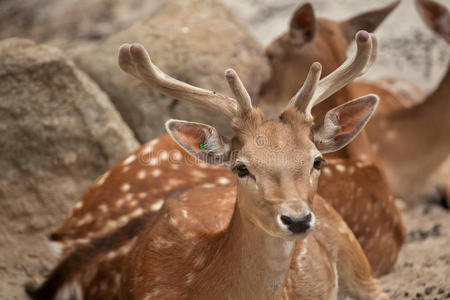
(288,57)
(102,249)
(420,133)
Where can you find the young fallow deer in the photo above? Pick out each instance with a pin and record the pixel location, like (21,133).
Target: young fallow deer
(274,214)
(211,240)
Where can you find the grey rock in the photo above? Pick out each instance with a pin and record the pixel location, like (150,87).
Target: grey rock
(193,41)
(70,23)
(58,132)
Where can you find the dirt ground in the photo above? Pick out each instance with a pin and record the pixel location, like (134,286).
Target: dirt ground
(423,268)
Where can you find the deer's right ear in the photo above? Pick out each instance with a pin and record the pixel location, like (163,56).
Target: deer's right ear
(343,123)
(303,24)
(201,141)
(436,16)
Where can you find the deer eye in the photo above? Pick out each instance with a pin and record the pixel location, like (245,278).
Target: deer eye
(318,162)
(241,170)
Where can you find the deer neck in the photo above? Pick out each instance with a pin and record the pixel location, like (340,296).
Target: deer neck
(254,263)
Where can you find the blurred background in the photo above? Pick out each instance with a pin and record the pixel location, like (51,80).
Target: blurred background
(68,113)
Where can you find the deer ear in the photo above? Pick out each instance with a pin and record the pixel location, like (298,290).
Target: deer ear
(303,24)
(201,141)
(367,21)
(343,123)
(436,16)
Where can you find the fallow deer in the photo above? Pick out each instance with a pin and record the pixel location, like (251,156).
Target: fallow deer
(416,140)
(274,213)
(104,248)
(288,58)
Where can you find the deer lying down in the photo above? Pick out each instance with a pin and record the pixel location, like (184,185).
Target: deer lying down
(416,140)
(275,216)
(91,268)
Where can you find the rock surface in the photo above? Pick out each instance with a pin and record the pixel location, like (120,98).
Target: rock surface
(70,23)
(58,132)
(193,41)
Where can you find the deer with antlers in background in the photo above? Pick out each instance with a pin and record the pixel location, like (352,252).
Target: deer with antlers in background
(270,237)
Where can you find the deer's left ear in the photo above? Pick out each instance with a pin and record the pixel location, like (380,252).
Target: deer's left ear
(302,27)
(367,21)
(201,141)
(343,123)
(436,16)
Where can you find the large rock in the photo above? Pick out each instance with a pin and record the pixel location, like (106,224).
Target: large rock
(69,23)
(193,41)
(58,132)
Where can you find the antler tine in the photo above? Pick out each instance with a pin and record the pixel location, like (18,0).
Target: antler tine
(302,99)
(239,91)
(135,60)
(349,70)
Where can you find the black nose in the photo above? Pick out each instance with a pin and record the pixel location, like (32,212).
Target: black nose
(297,225)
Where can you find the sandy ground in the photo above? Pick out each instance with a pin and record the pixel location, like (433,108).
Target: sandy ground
(423,268)
(407,46)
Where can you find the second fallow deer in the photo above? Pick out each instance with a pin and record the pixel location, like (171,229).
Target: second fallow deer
(414,142)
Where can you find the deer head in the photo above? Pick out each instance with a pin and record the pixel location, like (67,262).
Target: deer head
(310,39)
(277,161)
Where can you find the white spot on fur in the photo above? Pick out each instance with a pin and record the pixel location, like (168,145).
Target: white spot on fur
(86,219)
(137,213)
(125,169)
(164,155)
(103,208)
(102,179)
(177,155)
(124,220)
(147,149)
(141,174)
(208,185)
(390,135)
(184,212)
(78,205)
(340,168)
(198,174)
(142,195)
(223,180)
(125,187)
(157,205)
(327,171)
(120,202)
(156,172)
(153,161)
(129,159)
